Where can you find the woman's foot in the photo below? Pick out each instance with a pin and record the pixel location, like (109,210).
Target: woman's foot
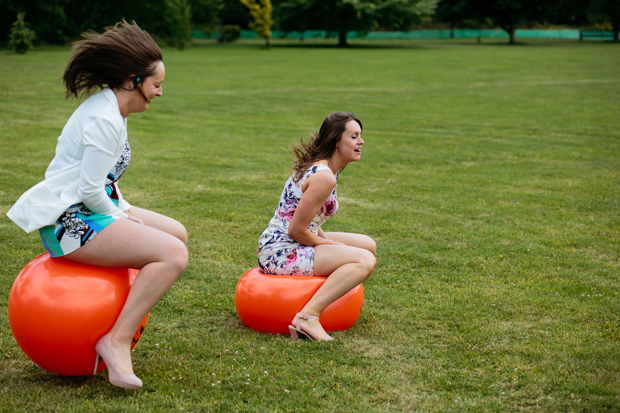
(309,326)
(121,354)
(120,372)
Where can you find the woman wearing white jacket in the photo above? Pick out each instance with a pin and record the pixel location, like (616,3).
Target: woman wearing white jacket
(79,210)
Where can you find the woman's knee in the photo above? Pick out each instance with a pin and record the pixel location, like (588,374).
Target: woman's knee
(368,262)
(367,243)
(179,231)
(372,245)
(176,255)
(182,234)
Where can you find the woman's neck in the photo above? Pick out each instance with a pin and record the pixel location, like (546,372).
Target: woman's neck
(333,163)
(124,99)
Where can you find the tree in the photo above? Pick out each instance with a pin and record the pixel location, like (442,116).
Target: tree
(179,19)
(21,36)
(233,12)
(342,16)
(46,18)
(454,12)
(205,14)
(62,21)
(609,9)
(569,12)
(261,18)
(507,14)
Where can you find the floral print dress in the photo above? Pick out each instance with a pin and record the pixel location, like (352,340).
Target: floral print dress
(277,252)
(78,224)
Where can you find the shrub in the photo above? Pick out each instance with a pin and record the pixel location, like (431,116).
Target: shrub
(229,33)
(21,36)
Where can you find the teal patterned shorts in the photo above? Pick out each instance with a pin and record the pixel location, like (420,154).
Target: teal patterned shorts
(73,229)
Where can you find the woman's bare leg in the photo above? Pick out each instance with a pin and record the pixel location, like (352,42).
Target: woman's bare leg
(347,266)
(160,222)
(162,259)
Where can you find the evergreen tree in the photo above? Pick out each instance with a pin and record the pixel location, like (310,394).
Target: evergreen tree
(21,36)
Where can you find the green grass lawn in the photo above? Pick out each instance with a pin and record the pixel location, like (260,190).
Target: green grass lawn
(490,181)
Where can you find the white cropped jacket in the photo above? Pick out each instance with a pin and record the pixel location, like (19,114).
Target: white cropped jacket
(88,148)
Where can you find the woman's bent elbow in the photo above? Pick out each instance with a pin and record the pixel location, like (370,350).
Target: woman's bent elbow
(293,234)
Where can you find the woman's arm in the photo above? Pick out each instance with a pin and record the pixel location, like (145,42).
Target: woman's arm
(322,234)
(132,217)
(101,138)
(318,188)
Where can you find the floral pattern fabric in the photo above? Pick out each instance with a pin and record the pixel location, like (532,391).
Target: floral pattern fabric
(277,252)
(78,224)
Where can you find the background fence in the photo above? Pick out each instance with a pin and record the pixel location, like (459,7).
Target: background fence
(414,34)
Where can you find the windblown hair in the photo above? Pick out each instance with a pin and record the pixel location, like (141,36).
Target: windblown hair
(122,52)
(322,144)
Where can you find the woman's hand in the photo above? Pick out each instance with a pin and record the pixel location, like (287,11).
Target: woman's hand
(134,219)
(335,243)
(323,235)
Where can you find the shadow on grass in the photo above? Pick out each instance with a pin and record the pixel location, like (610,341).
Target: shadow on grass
(97,383)
(44,377)
(533,42)
(349,46)
(310,45)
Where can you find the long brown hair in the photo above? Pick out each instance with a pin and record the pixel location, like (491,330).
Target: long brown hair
(322,144)
(122,52)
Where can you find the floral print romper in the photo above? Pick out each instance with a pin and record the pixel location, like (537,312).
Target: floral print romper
(277,252)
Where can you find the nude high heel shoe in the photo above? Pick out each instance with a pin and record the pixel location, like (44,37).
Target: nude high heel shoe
(297,332)
(126,381)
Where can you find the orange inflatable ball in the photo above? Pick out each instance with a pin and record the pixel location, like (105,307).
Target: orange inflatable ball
(268,303)
(59,309)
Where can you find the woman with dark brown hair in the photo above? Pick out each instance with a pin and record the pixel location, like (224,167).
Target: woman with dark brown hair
(79,210)
(295,244)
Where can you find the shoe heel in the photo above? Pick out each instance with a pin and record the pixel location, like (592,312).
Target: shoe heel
(298,333)
(126,381)
(97,360)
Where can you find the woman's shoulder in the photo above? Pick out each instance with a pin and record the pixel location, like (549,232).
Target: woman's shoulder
(312,170)
(102,105)
(97,119)
(320,174)
(317,167)
(98,111)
